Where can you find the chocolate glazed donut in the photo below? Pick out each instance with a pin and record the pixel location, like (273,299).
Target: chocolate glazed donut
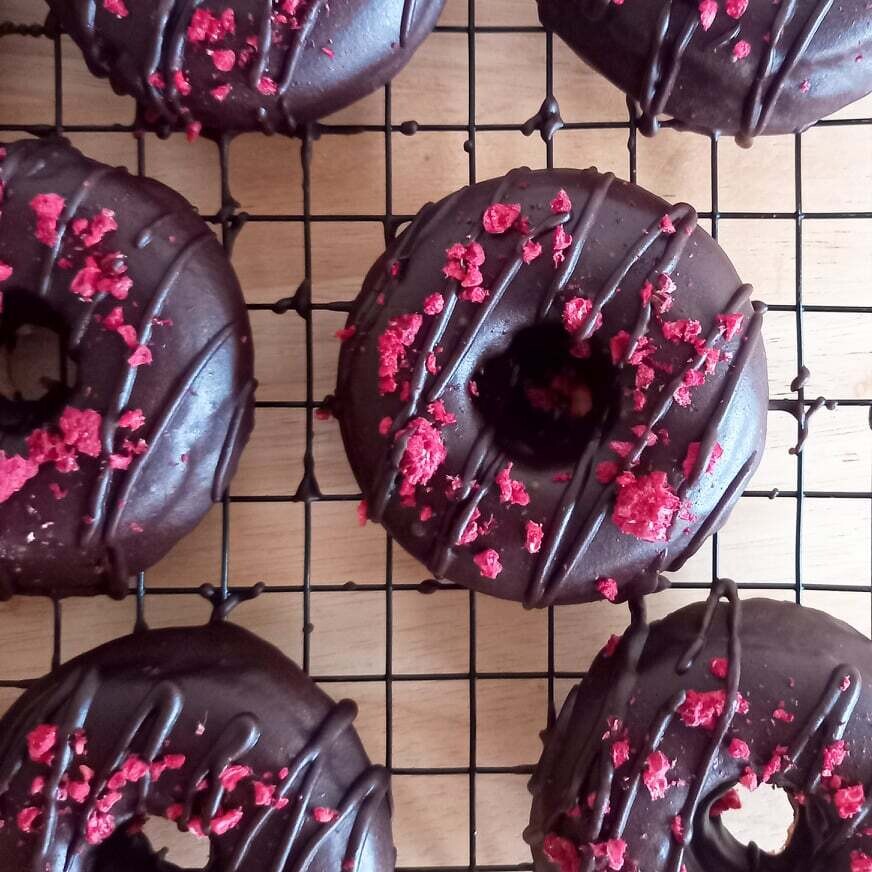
(240,65)
(552,387)
(101,476)
(648,750)
(743,68)
(206,726)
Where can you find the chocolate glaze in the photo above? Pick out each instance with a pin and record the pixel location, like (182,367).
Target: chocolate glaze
(617,243)
(197,395)
(370,41)
(780,656)
(146,694)
(659,54)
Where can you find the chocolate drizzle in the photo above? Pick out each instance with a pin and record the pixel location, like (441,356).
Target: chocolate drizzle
(801,67)
(105,526)
(643,687)
(317,746)
(144,51)
(576,515)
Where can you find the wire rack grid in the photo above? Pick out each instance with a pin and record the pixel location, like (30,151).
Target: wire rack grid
(462,849)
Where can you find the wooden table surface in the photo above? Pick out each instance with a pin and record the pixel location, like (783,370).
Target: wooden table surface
(451,684)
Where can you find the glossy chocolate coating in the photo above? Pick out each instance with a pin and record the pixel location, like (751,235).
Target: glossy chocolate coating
(281,74)
(197,395)
(808,58)
(220,696)
(617,246)
(778,656)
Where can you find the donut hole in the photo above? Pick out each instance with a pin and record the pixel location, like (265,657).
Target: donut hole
(766,818)
(37,374)
(159,846)
(545,398)
(182,849)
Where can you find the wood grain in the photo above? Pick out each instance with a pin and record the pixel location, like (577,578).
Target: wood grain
(432,635)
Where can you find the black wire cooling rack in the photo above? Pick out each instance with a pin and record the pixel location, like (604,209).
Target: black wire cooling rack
(229,220)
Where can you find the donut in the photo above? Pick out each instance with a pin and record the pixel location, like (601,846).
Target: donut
(209,727)
(552,387)
(649,750)
(101,476)
(742,67)
(244,65)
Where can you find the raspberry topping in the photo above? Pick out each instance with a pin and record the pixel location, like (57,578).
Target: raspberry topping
(15,472)
(703,708)
(645,506)
(488,563)
(424,454)
(499,217)
(392,344)
(834,755)
(654,776)
(533,537)
(849,800)
(608,588)
(739,750)
(511,491)
(692,455)
(614,850)
(48,209)
(561,852)
(708,9)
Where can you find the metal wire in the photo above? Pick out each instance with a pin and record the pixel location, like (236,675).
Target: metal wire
(229,220)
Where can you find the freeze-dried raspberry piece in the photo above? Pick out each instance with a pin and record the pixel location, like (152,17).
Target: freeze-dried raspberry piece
(48,209)
(645,506)
(533,537)
(654,775)
(499,217)
(423,455)
(511,491)
(708,9)
(703,708)
(392,344)
(608,589)
(562,853)
(15,472)
(488,563)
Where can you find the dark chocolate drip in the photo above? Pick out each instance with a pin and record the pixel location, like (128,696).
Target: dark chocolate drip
(580,232)
(230,449)
(664,64)
(100,496)
(590,762)
(455,522)
(547,120)
(769,82)
(804,416)
(386,475)
(803,377)
(298,44)
(148,728)
(406,20)
(73,204)
(12,28)
(659,82)
(146,236)
(831,715)
(727,590)
(658,412)
(723,41)
(615,707)
(655,736)
(261,58)
(223,604)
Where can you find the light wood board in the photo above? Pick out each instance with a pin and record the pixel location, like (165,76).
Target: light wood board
(351,637)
